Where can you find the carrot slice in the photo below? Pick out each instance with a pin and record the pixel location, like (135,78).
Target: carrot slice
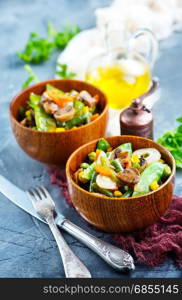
(98,151)
(109,149)
(103,170)
(94,117)
(59,100)
(96,98)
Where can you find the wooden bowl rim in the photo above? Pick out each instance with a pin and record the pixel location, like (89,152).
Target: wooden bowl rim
(12,103)
(119,198)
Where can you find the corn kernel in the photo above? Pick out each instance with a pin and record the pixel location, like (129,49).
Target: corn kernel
(135,158)
(117,194)
(154,185)
(60,129)
(81,177)
(162,161)
(86,109)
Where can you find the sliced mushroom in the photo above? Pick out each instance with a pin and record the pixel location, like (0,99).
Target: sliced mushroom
(114,154)
(129,176)
(87,99)
(48,104)
(123,155)
(50,107)
(64,114)
(45,97)
(143,164)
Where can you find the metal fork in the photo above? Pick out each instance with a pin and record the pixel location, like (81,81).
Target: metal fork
(45,207)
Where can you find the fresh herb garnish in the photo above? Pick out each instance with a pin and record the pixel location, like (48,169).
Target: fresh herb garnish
(62,38)
(172,140)
(31,78)
(63,71)
(39,49)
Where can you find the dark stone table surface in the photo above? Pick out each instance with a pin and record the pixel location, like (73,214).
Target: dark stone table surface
(27,248)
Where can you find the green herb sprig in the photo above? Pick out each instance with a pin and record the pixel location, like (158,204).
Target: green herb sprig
(31,78)
(172,140)
(38,49)
(62,38)
(63,71)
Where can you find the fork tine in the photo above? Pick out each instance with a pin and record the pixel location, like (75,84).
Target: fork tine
(35,194)
(40,193)
(31,197)
(47,194)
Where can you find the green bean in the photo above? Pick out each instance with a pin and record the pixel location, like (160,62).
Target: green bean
(127,193)
(103,145)
(43,121)
(117,165)
(152,173)
(105,192)
(92,180)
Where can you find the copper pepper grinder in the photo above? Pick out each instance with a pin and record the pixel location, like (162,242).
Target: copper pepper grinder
(137,119)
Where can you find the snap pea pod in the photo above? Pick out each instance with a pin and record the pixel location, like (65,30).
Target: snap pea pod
(78,105)
(50,87)
(105,192)
(105,162)
(43,121)
(117,165)
(77,121)
(152,173)
(92,180)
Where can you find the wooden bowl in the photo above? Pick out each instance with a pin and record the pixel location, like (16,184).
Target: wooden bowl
(54,148)
(120,214)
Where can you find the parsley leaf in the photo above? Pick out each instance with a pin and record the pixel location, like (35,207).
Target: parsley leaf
(62,38)
(63,71)
(172,140)
(38,49)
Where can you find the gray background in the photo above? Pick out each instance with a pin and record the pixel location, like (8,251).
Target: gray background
(27,248)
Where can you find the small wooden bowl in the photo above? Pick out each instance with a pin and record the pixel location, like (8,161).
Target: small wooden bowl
(120,214)
(54,148)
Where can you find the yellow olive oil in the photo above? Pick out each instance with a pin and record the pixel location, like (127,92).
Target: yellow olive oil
(122,82)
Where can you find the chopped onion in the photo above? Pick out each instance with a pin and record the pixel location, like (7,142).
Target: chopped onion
(105,182)
(151,155)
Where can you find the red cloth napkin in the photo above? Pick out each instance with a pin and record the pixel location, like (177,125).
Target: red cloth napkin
(152,244)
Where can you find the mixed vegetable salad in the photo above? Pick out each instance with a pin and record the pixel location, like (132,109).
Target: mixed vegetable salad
(120,172)
(56,110)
